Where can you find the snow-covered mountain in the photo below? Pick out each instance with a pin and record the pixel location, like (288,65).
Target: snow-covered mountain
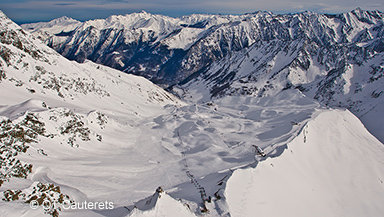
(336,59)
(127,42)
(75,134)
(59,26)
(181,47)
(55,112)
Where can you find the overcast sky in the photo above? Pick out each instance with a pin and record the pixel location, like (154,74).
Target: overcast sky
(24,11)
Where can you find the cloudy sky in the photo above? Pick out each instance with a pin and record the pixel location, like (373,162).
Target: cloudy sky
(24,11)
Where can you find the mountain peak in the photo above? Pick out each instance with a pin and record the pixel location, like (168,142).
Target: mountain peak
(63,20)
(3,15)
(358,9)
(259,12)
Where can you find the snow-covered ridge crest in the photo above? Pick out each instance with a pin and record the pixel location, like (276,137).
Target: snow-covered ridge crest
(325,171)
(143,20)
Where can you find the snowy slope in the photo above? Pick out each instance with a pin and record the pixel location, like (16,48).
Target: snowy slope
(354,84)
(339,69)
(333,168)
(102,135)
(87,133)
(32,70)
(67,114)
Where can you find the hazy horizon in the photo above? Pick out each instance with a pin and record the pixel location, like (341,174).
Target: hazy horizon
(27,11)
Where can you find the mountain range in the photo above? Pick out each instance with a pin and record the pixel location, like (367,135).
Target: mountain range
(335,59)
(269,117)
